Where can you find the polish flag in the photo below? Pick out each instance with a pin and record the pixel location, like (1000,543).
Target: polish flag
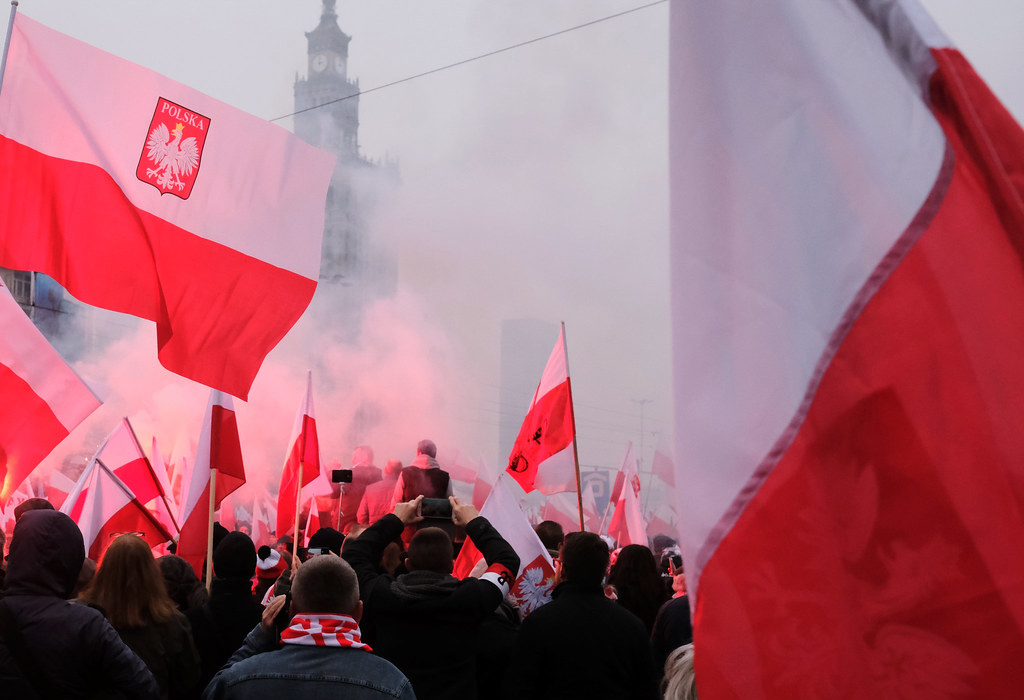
(263,517)
(43,399)
(220,449)
(58,487)
(536,576)
(627,525)
(303,462)
(564,509)
(543,456)
(168,503)
(122,454)
(848,310)
(143,196)
(104,507)
(662,466)
(312,521)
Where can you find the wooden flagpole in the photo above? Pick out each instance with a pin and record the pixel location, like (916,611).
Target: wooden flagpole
(572,414)
(7,41)
(209,528)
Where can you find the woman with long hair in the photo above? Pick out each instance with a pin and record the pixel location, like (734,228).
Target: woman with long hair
(130,591)
(638,584)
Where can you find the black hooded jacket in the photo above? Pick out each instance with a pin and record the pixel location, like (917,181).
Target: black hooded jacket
(75,647)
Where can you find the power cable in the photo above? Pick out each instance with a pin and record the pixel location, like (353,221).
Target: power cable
(474,58)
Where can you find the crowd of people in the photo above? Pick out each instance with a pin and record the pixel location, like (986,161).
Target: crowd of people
(374,614)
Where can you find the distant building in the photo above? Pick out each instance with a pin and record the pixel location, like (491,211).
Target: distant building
(327,116)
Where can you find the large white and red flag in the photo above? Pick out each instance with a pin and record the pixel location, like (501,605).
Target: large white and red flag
(848,311)
(543,456)
(302,464)
(219,448)
(43,399)
(141,195)
(104,507)
(627,525)
(535,578)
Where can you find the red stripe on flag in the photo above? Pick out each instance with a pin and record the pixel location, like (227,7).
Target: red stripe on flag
(29,430)
(138,476)
(132,518)
(225,451)
(882,553)
(218,311)
(546,430)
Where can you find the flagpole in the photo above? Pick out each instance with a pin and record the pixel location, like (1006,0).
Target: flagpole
(298,501)
(572,415)
(209,528)
(7,41)
(163,497)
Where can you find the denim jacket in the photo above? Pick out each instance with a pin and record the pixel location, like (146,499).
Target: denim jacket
(260,671)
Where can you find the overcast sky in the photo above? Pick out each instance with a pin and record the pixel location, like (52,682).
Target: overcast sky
(534,182)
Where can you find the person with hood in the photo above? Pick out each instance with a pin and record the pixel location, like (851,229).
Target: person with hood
(49,647)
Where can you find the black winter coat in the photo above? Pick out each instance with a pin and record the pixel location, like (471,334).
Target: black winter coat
(220,626)
(74,645)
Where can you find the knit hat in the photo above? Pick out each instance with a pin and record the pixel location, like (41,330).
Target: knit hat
(269,563)
(327,537)
(234,557)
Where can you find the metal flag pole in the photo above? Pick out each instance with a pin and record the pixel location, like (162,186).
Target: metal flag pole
(7,41)
(572,415)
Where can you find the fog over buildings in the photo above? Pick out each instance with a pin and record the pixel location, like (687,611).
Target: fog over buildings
(530,184)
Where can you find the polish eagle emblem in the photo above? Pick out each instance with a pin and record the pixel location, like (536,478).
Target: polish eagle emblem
(172,156)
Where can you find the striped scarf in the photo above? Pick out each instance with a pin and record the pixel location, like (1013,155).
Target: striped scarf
(324,631)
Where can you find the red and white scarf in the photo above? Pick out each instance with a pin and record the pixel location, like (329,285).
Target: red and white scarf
(324,631)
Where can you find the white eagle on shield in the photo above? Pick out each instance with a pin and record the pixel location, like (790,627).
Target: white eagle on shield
(173,156)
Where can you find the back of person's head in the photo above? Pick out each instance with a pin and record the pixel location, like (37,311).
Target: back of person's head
(46,555)
(325,584)
(427,447)
(362,456)
(392,468)
(550,533)
(181,582)
(128,585)
(234,557)
(584,558)
(680,682)
(431,550)
(327,538)
(635,563)
(30,504)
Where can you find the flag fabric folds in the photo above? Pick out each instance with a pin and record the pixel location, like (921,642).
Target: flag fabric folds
(848,312)
(219,448)
(535,578)
(302,464)
(543,456)
(627,525)
(104,507)
(43,398)
(141,195)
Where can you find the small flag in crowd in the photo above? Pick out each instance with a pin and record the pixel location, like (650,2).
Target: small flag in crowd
(104,507)
(219,449)
(543,456)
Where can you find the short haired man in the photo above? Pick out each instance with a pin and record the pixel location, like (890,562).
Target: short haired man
(582,644)
(426,621)
(551,535)
(423,477)
(323,653)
